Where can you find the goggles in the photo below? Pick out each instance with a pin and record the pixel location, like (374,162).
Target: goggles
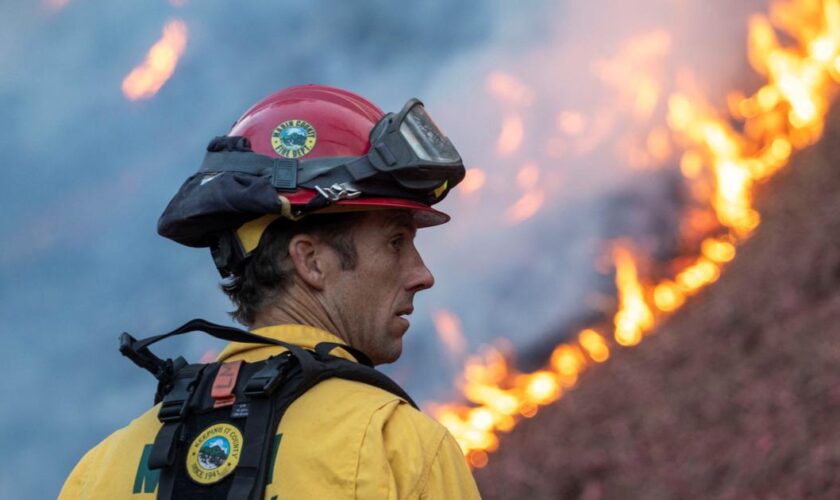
(409,146)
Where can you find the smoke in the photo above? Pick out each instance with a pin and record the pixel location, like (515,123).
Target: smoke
(87,172)
(589,93)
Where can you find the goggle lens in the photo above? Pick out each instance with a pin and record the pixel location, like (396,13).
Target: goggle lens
(425,138)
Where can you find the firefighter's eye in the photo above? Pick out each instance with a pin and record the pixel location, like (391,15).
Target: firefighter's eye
(397,242)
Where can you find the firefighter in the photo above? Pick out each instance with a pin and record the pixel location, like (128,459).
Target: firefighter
(309,206)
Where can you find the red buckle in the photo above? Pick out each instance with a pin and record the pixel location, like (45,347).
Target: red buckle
(224,384)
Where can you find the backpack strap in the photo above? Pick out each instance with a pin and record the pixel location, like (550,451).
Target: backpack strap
(264,415)
(323,350)
(363,371)
(138,350)
(164,370)
(252,472)
(270,391)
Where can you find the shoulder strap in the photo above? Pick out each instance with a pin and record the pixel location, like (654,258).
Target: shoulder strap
(251,474)
(359,372)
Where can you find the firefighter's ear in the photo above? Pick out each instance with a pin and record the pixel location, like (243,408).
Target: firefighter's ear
(312,259)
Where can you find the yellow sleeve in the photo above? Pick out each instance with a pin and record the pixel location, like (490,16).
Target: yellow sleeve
(76,484)
(115,467)
(406,454)
(449,476)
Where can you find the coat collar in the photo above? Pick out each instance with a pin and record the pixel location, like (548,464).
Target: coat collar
(302,335)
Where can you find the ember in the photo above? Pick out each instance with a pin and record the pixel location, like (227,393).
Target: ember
(145,80)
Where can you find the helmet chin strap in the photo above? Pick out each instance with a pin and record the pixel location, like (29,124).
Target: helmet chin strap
(228,254)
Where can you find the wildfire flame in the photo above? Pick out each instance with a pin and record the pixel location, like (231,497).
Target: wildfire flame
(510,138)
(532,195)
(448,328)
(722,160)
(509,89)
(474,180)
(145,80)
(55,5)
(642,90)
(634,316)
(571,122)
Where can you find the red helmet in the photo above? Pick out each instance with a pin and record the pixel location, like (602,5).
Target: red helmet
(316,121)
(305,150)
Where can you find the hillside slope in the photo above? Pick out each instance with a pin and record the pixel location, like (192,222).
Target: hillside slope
(735,396)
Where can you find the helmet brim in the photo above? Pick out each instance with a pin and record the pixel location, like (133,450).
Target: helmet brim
(424,215)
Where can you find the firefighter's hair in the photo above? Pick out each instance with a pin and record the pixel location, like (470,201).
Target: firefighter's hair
(266,275)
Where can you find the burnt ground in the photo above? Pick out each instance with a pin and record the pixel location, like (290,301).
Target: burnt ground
(737,395)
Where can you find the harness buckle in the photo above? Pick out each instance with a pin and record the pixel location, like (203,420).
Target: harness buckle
(266,380)
(174,404)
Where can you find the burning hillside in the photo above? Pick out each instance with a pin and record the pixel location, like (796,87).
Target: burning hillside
(795,49)
(734,396)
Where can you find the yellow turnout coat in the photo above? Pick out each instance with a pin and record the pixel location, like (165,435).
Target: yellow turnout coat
(340,440)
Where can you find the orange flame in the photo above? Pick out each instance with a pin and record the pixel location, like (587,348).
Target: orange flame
(594,345)
(571,122)
(629,71)
(510,138)
(509,89)
(722,167)
(502,394)
(473,181)
(145,80)
(55,5)
(448,328)
(526,207)
(785,114)
(634,316)
(532,199)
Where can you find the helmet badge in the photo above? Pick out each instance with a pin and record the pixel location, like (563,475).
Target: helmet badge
(293,138)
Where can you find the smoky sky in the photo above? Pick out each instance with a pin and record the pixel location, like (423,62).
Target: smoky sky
(87,173)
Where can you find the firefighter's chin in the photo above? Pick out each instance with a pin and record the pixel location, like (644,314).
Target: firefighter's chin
(390,347)
(404,324)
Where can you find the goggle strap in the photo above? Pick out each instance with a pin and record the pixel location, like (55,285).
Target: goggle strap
(279,169)
(283,172)
(348,170)
(328,168)
(236,161)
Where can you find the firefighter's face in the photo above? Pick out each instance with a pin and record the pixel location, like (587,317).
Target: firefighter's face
(372,299)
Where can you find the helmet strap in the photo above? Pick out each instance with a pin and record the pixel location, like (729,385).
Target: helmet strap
(228,254)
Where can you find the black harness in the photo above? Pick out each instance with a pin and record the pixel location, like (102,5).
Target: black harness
(239,405)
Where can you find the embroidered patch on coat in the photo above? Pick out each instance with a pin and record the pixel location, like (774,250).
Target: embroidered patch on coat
(214,453)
